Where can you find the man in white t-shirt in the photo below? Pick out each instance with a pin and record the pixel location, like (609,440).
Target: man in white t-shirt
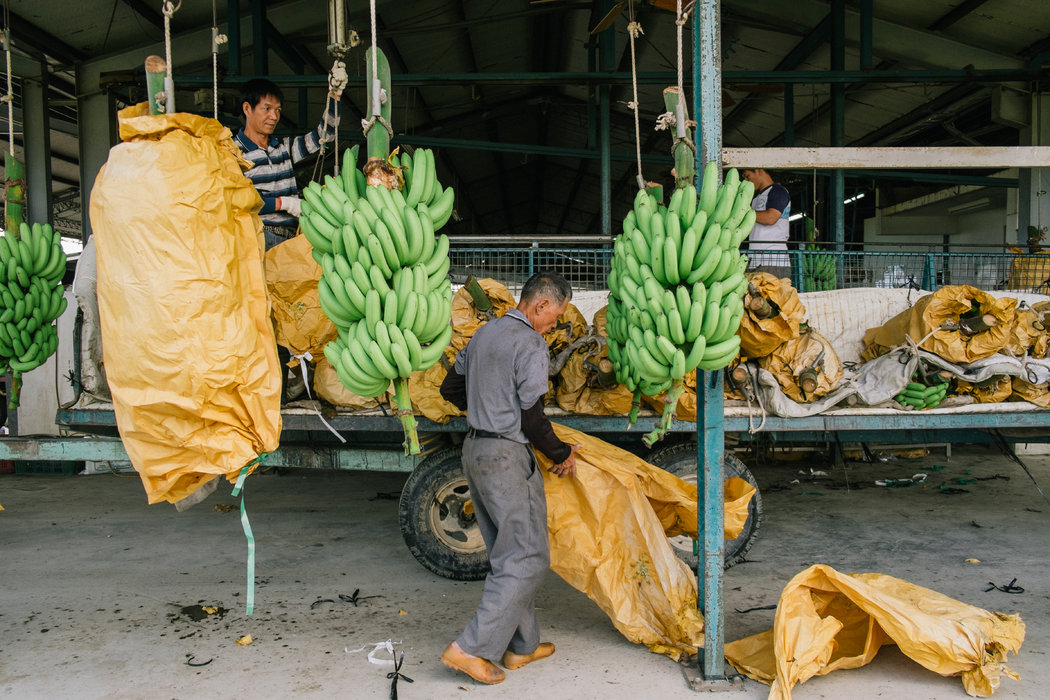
(772,205)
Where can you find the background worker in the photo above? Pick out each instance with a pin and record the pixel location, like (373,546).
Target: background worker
(772,205)
(500,378)
(273,159)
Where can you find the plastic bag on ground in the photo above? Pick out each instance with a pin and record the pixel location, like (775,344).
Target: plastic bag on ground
(827,620)
(291,280)
(761,336)
(924,322)
(188,340)
(608,530)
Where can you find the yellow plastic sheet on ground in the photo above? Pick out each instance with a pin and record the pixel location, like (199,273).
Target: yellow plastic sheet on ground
(761,336)
(291,280)
(188,342)
(827,620)
(608,529)
(924,322)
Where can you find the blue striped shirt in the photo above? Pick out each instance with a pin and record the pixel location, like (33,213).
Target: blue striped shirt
(272,170)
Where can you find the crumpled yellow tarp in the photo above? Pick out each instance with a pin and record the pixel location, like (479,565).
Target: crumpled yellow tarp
(827,620)
(788,361)
(328,387)
(466,319)
(425,388)
(922,324)
(577,390)
(1039,394)
(291,280)
(1029,273)
(761,336)
(188,342)
(1029,334)
(992,390)
(608,531)
(570,326)
(599,321)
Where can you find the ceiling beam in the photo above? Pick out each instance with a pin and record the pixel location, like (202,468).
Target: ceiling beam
(26,33)
(957,13)
(146,12)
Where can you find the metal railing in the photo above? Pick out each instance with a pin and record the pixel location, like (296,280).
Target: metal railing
(811,270)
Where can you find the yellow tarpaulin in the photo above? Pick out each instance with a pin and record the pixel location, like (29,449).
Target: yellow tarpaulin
(809,351)
(827,620)
(992,390)
(925,323)
(328,387)
(466,319)
(291,280)
(1029,334)
(760,336)
(188,342)
(609,527)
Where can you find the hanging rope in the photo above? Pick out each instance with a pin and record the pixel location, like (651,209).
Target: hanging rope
(9,98)
(633,30)
(377,87)
(169,9)
(216,40)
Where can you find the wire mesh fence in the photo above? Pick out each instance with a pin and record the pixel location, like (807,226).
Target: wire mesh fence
(811,270)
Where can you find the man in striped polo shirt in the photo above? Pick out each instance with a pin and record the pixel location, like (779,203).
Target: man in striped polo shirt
(273,159)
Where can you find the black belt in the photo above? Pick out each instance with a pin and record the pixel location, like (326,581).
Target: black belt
(475,433)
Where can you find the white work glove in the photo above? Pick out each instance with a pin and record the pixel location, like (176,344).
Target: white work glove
(291,205)
(337,78)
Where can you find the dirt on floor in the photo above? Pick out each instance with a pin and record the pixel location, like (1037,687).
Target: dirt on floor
(104,596)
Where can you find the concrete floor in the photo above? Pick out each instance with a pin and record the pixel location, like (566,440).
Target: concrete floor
(94,580)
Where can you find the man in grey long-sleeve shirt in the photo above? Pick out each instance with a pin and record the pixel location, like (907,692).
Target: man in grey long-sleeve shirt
(500,378)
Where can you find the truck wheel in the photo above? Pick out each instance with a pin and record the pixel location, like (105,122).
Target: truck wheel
(680,460)
(437,519)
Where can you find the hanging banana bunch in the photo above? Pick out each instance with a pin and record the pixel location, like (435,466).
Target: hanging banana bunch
(676,287)
(384,281)
(32,265)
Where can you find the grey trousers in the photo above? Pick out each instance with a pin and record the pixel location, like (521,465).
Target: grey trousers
(507,490)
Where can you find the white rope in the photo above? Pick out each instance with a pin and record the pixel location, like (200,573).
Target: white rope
(679,22)
(9,98)
(633,30)
(215,60)
(303,359)
(376,109)
(170,9)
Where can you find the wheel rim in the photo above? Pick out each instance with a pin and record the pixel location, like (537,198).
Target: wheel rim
(452,519)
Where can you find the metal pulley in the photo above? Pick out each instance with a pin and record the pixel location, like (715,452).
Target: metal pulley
(340,39)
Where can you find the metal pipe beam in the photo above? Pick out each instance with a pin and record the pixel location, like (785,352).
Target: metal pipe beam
(836,190)
(25,33)
(233,37)
(809,77)
(606,59)
(875,158)
(260,49)
(707,107)
(37,135)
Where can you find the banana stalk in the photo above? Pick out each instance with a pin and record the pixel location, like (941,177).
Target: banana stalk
(664,424)
(684,157)
(402,404)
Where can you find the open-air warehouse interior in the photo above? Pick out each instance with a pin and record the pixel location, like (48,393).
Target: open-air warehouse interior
(528,113)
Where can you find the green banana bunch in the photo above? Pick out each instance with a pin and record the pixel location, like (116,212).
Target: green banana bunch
(31,297)
(676,285)
(920,396)
(384,274)
(818,271)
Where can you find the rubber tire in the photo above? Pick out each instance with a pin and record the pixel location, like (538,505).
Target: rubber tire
(440,532)
(680,460)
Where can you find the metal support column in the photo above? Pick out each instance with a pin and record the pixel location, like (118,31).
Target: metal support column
(707,106)
(866,30)
(1033,200)
(606,63)
(837,186)
(260,50)
(789,115)
(233,37)
(36,124)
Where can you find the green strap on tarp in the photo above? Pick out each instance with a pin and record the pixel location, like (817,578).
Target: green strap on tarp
(250,592)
